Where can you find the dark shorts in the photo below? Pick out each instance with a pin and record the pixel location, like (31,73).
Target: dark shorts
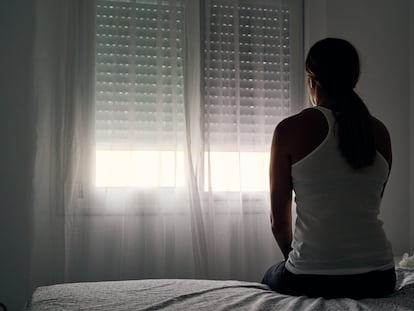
(357,286)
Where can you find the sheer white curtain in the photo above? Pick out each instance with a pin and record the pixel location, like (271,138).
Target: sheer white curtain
(154,124)
(63,90)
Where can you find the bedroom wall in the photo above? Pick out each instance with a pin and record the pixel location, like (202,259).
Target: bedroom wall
(411,185)
(16,136)
(380,31)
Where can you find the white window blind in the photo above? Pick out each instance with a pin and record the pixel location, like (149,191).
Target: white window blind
(251,55)
(139,74)
(247,72)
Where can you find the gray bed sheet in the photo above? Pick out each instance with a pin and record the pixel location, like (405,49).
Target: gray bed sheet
(188,294)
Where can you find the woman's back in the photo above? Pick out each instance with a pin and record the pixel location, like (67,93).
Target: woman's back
(337,229)
(309,128)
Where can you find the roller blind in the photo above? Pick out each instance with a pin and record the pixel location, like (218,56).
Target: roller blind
(247,72)
(139,74)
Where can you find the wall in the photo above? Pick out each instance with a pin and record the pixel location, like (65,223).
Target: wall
(411,184)
(16,135)
(379,30)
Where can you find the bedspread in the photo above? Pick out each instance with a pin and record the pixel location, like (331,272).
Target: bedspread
(189,294)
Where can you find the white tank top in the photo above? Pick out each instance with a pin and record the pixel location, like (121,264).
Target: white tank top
(337,228)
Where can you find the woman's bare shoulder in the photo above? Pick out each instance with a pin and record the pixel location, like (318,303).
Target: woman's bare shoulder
(300,120)
(379,126)
(301,133)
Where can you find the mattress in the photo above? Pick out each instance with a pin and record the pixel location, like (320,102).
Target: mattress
(189,294)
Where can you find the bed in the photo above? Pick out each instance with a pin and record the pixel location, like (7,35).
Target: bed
(187,294)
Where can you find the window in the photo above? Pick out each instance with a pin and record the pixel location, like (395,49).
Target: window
(139,93)
(247,78)
(250,82)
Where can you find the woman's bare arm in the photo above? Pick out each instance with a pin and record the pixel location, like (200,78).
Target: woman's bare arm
(281,190)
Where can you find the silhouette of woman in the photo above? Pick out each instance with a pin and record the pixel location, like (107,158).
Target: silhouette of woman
(336,157)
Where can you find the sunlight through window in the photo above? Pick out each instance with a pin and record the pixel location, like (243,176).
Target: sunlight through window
(233,171)
(223,171)
(146,169)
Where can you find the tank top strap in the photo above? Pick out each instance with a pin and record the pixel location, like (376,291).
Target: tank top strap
(329,116)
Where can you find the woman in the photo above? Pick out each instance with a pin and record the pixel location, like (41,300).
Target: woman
(337,159)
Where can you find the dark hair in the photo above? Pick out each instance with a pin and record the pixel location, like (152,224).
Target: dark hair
(333,65)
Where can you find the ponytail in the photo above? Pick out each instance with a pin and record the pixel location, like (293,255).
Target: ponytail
(334,65)
(354,129)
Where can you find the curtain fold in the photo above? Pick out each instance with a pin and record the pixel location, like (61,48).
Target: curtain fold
(63,86)
(194,134)
(154,120)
